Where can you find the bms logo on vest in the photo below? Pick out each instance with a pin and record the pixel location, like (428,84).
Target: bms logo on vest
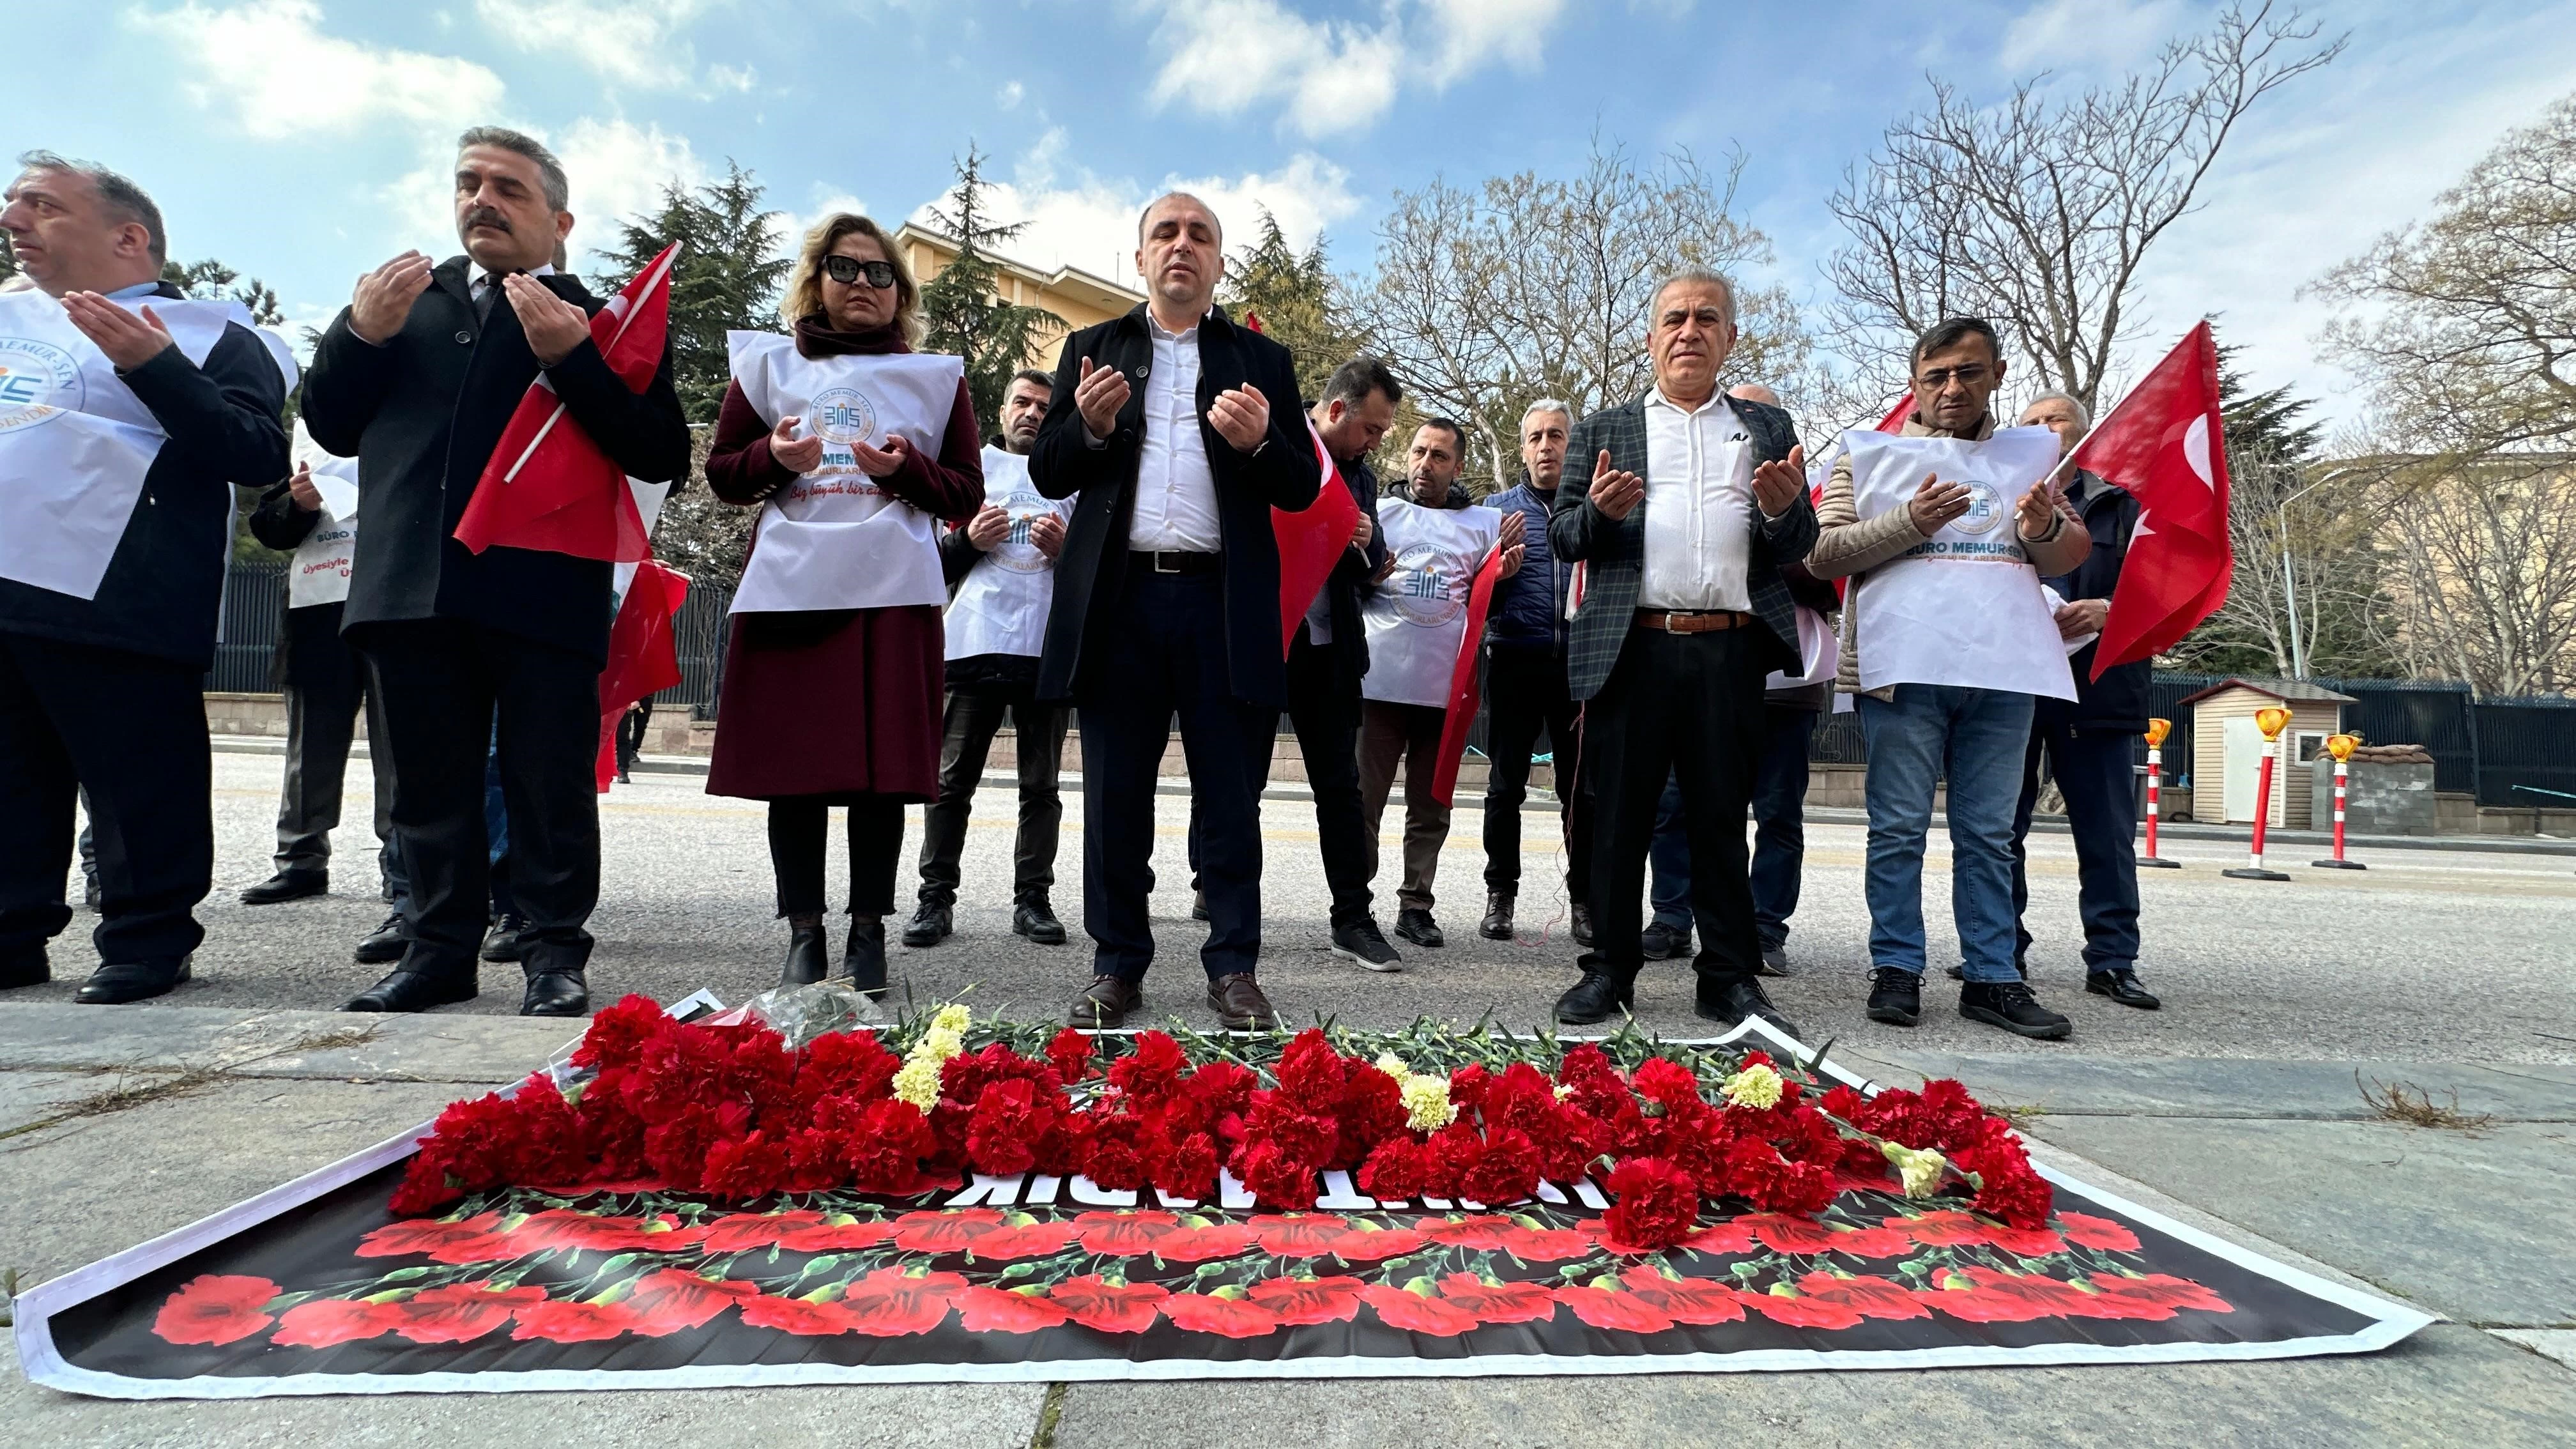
(1422,589)
(1015,552)
(844,415)
(39,382)
(1985,508)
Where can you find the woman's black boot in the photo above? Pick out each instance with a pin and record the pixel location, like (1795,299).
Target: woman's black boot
(863,960)
(809,956)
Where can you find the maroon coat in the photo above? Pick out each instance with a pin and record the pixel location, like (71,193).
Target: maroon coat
(836,702)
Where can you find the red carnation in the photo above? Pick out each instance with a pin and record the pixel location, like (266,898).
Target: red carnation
(677,1148)
(1506,1171)
(1656,1204)
(850,1064)
(1189,1170)
(745,1168)
(617,1034)
(2011,1191)
(1603,1305)
(573,1322)
(1149,1072)
(669,1300)
(1001,1139)
(886,1150)
(322,1322)
(893,1303)
(1395,1170)
(1802,1312)
(1216,1313)
(1310,1072)
(215,1308)
(1222,1087)
(462,1312)
(1700,1301)
(1070,1051)
(1450,1158)
(2103,1234)
(1870,1297)
(1418,1312)
(983,1309)
(1097,1303)
(1306,1300)
(1276,1179)
(1494,1302)
(1467,1087)
(1371,1110)
(800,1316)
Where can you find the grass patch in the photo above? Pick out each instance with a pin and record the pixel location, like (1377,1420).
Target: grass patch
(2413,1106)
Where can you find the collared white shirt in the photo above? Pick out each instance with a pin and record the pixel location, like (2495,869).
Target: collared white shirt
(1175,493)
(1699,506)
(478,277)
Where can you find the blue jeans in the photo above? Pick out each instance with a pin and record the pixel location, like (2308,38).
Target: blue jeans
(1976,738)
(1779,832)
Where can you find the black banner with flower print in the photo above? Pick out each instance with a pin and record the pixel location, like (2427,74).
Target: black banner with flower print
(1034,1278)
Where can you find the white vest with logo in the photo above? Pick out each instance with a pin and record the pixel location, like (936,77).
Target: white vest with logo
(834,539)
(1001,604)
(75,442)
(1963,607)
(1417,616)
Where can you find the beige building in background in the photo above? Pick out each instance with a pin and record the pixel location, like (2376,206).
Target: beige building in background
(1077,296)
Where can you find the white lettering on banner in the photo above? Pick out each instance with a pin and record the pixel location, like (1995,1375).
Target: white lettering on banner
(1416,616)
(997,1191)
(319,573)
(76,443)
(1962,608)
(1336,1195)
(835,539)
(1001,605)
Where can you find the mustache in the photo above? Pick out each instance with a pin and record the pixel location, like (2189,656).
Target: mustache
(484,216)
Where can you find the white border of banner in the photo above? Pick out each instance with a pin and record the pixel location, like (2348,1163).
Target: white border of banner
(2390,1322)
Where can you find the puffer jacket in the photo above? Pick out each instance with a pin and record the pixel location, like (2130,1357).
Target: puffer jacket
(1528,612)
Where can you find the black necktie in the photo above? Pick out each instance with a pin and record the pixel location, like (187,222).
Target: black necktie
(483,299)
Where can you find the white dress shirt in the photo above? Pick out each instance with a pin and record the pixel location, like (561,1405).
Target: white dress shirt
(1175,493)
(478,278)
(1699,506)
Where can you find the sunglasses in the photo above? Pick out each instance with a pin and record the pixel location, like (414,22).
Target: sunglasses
(848,270)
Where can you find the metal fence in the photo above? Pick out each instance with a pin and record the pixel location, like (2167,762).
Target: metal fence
(254,615)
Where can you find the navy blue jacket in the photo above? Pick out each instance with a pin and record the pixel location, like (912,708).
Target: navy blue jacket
(2117,702)
(165,582)
(1528,612)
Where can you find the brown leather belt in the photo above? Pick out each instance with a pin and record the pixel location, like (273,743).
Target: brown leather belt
(1691,621)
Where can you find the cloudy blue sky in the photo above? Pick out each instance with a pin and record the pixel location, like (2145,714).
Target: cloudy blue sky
(305,140)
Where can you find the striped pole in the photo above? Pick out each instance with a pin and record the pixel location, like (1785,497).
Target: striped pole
(2271,721)
(2157,730)
(2341,747)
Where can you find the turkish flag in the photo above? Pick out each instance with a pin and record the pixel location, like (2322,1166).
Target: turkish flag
(1464,695)
(1311,543)
(2162,443)
(548,486)
(643,653)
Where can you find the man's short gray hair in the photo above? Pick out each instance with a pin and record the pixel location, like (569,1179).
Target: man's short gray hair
(1556,405)
(2083,414)
(549,170)
(1147,214)
(1701,275)
(125,201)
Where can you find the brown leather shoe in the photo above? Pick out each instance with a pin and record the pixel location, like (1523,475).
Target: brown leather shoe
(1104,1004)
(1239,1004)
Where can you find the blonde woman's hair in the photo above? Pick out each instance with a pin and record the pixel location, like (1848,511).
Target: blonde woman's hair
(805,284)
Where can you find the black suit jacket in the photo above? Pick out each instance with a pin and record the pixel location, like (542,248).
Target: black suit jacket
(422,413)
(1349,580)
(165,581)
(1613,552)
(2117,702)
(1093,567)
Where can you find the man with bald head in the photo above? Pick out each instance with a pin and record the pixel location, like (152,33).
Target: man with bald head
(1683,505)
(1176,432)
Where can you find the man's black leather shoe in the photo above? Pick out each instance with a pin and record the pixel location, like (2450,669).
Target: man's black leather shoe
(1731,999)
(287,885)
(1775,961)
(2120,983)
(386,943)
(1497,925)
(863,958)
(930,925)
(119,982)
(1415,924)
(1035,921)
(1198,905)
(809,957)
(1582,924)
(25,968)
(2010,1005)
(559,992)
(411,991)
(1661,942)
(1895,996)
(501,943)
(1599,996)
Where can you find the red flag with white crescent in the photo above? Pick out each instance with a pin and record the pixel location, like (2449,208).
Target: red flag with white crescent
(1311,543)
(1464,693)
(548,485)
(2163,444)
(643,653)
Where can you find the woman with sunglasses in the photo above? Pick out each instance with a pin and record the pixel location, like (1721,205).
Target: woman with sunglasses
(854,448)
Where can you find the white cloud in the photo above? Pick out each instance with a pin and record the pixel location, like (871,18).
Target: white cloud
(821,200)
(1331,76)
(740,78)
(632,42)
(1008,97)
(1091,223)
(618,170)
(270,64)
(2086,32)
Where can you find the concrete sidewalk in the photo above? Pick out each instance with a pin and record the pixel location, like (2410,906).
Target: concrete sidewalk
(118,1125)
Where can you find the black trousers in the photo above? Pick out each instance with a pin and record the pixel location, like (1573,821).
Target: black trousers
(630,732)
(1687,706)
(448,686)
(966,741)
(130,732)
(321,720)
(1326,718)
(1524,693)
(1162,652)
(2097,773)
(799,827)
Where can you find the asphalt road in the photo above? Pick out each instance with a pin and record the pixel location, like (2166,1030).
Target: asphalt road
(2434,955)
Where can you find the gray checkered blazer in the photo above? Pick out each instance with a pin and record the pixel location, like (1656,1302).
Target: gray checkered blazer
(1614,553)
